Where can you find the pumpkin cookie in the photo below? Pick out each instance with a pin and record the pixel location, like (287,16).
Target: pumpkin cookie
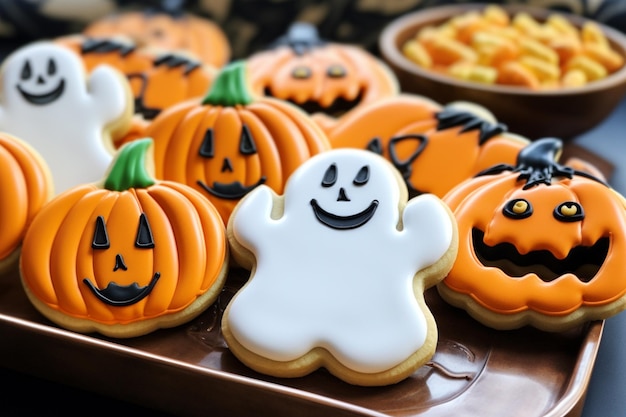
(540,244)
(339,254)
(170,30)
(325,79)
(26,187)
(435,147)
(231,141)
(126,256)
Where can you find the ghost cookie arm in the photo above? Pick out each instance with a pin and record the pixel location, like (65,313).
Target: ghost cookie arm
(429,230)
(111,98)
(250,223)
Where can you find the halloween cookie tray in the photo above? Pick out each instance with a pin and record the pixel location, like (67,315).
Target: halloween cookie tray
(189,371)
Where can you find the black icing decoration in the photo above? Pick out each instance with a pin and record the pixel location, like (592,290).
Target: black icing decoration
(144,234)
(509,209)
(577,216)
(451,117)
(301,37)
(100,235)
(363,176)
(208,145)
(173,61)
(330,176)
(335,221)
(537,164)
(122,295)
(246,142)
(229,191)
(375,145)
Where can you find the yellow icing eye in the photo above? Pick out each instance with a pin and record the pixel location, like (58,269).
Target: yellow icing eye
(518,209)
(569,211)
(336,71)
(301,73)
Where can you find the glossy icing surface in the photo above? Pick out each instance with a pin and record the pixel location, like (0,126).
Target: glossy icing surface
(325,79)
(542,237)
(231,141)
(49,102)
(349,290)
(25,189)
(435,147)
(129,250)
(177,31)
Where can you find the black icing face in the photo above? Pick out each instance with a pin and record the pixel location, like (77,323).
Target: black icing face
(227,190)
(40,84)
(350,221)
(115,294)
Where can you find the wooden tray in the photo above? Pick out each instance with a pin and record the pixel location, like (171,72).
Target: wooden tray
(189,371)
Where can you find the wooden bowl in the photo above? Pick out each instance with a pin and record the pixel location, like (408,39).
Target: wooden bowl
(563,113)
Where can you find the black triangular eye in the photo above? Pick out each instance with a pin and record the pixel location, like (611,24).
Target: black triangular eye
(363,176)
(26,71)
(246,143)
(100,235)
(144,234)
(52,67)
(207,147)
(375,145)
(330,176)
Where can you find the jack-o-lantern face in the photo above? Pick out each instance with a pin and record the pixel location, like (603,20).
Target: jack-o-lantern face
(167,31)
(231,142)
(434,147)
(540,244)
(325,79)
(158,78)
(126,258)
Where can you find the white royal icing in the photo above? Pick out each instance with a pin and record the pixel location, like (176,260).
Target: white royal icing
(48,101)
(348,291)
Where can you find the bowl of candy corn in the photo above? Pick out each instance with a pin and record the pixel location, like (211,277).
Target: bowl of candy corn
(539,71)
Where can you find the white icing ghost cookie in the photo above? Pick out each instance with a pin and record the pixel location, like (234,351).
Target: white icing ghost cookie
(49,102)
(339,265)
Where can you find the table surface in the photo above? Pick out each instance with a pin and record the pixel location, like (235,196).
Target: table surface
(25,395)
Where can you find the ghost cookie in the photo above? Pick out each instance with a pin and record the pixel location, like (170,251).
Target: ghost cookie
(339,264)
(68,117)
(125,256)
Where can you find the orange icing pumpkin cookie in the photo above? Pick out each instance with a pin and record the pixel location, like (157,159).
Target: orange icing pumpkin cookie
(126,256)
(326,79)
(339,264)
(158,78)
(540,244)
(171,30)
(435,147)
(26,187)
(231,141)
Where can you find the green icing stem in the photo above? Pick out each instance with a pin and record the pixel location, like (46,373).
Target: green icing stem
(129,168)
(230,87)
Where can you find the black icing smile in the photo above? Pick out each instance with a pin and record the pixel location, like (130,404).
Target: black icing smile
(352,221)
(582,261)
(42,99)
(229,191)
(122,295)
